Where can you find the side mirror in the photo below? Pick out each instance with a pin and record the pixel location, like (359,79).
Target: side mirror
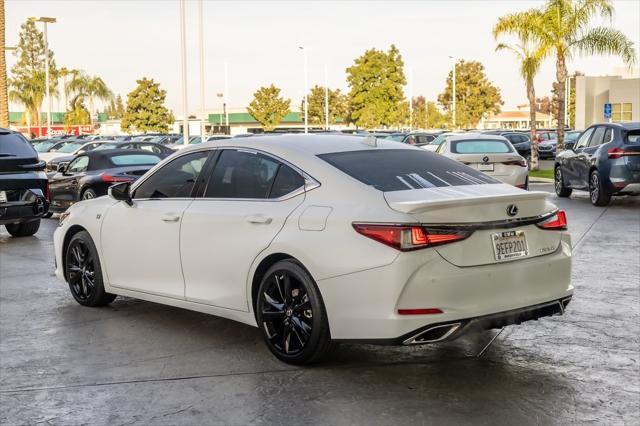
(120,192)
(62,167)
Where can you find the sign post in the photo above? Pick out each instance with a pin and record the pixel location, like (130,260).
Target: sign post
(607,112)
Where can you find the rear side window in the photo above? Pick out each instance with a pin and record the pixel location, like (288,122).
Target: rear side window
(287,180)
(14,145)
(480,147)
(633,137)
(404,169)
(240,174)
(598,136)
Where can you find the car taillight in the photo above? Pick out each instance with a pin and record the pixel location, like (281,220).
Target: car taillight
(521,163)
(106,177)
(409,237)
(615,153)
(47,192)
(557,222)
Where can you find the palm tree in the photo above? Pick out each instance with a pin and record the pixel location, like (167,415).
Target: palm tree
(93,87)
(530,57)
(4,97)
(561,27)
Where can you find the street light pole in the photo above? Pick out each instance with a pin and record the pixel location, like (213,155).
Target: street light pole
(183,58)
(201,36)
(226,98)
(326,98)
(46,20)
(306,107)
(454,91)
(410,99)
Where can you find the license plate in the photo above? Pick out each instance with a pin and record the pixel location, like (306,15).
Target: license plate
(485,167)
(509,245)
(3,197)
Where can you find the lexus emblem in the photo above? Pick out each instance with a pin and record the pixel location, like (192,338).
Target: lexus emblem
(485,159)
(512,210)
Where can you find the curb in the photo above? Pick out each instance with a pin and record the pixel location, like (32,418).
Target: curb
(540,180)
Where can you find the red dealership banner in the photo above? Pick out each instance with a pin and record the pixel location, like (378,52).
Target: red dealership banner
(56,129)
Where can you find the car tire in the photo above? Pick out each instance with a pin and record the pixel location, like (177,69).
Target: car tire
(597,194)
(561,190)
(25,229)
(83,272)
(291,315)
(88,194)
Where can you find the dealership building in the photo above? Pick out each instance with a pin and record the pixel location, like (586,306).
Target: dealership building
(592,93)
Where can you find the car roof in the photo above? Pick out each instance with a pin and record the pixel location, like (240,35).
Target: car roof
(477,136)
(632,125)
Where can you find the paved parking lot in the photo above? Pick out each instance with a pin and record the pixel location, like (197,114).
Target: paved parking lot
(139,362)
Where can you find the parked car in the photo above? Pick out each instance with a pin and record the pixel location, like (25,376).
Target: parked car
(64,148)
(89,175)
(546,134)
(318,238)
(520,141)
(24,189)
(54,163)
(547,149)
(162,150)
(604,161)
(491,154)
(412,138)
(438,140)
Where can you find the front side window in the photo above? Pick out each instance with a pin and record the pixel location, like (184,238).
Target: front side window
(584,139)
(242,174)
(175,179)
(79,165)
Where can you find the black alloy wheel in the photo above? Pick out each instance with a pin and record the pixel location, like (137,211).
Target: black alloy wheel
(83,272)
(291,314)
(597,193)
(561,190)
(89,194)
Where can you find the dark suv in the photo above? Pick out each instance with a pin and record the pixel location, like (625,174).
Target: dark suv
(605,161)
(24,189)
(520,141)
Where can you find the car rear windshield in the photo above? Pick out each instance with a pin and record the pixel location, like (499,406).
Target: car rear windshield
(15,146)
(134,159)
(402,169)
(633,136)
(480,146)
(68,148)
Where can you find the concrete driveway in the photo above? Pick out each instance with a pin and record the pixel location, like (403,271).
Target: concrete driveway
(136,362)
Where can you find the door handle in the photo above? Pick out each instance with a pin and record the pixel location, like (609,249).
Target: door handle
(259,219)
(170,217)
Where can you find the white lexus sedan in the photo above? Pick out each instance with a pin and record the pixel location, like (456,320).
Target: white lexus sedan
(491,154)
(317,239)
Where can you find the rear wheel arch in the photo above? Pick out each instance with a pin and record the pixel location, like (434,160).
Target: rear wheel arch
(263,267)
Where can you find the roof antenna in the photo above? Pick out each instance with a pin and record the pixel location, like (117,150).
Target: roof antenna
(370,140)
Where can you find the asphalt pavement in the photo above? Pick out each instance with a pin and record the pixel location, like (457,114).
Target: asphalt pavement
(137,362)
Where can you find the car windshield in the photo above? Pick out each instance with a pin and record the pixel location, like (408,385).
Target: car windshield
(403,169)
(104,146)
(480,146)
(44,146)
(571,136)
(441,138)
(68,148)
(396,138)
(633,136)
(14,145)
(134,159)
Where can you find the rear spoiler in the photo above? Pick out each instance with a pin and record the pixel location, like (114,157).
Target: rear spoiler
(421,200)
(40,165)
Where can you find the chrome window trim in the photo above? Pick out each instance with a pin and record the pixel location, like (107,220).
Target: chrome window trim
(310,182)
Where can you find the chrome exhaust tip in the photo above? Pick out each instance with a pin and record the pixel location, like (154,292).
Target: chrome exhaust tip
(434,334)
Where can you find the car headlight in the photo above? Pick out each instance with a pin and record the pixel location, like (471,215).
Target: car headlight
(63,217)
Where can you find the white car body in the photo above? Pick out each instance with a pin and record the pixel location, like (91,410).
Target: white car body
(48,156)
(203,254)
(509,167)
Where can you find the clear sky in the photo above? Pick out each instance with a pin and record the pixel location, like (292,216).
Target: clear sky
(124,40)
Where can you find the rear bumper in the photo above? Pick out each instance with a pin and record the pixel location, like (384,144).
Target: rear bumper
(32,206)
(364,305)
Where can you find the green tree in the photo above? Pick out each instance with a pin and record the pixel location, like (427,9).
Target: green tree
(268,107)
(119,107)
(419,118)
(476,96)
(115,108)
(435,118)
(92,87)
(338,106)
(78,113)
(529,55)
(4,89)
(28,74)
(145,109)
(376,82)
(563,28)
